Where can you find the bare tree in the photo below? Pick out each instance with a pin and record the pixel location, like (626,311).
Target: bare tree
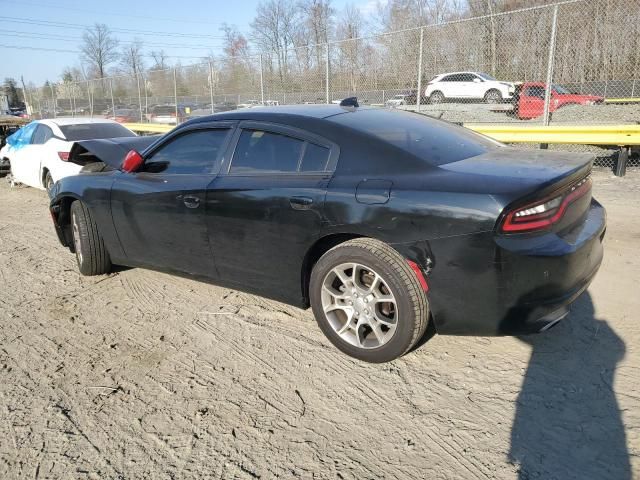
(159,60)
(99,48)
(273,30)
(318,22)
(132,58)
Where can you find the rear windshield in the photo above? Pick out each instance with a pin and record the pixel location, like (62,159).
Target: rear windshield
(91,131)
(433,140)
(169,110)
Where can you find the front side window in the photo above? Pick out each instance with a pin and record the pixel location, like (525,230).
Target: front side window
(467,77)
(535,92)
(195,152)
(261,151)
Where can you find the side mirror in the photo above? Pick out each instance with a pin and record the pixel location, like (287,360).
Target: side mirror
(477,80)
(132,162)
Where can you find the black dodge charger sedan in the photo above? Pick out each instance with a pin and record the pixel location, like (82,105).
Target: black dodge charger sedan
(382,221)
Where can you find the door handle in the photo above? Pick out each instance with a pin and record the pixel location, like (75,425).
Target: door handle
(300,203)
(191,201)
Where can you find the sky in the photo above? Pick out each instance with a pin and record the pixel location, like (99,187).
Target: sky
(48,32)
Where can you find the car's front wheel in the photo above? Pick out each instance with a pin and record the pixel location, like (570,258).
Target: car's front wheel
(91,253)
(493,96)
(368,301)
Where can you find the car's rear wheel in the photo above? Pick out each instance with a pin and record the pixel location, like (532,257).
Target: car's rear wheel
(436,97)
(91,252)
(368,301)
(493,96)
(48,182)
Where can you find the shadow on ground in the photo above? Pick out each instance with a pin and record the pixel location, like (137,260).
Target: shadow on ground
(567,423)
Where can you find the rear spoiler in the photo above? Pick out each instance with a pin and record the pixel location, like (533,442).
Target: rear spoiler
(110,151)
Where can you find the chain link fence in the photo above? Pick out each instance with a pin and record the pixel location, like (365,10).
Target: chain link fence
(572,62)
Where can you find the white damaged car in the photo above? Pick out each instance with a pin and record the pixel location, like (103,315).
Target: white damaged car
(38,153)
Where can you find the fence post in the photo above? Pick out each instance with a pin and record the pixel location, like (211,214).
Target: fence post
(211,85)
(113,102)
(552,52)
(419,92)
(261,82)
(139,96)
(73,100)
(326,74)
(53,99)
(175,92)
(633,88)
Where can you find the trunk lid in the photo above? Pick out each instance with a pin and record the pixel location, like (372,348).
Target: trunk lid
(518,178)
(110,151)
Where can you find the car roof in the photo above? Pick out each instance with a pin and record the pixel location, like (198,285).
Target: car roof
(454,73)
(61,121)
(318,111)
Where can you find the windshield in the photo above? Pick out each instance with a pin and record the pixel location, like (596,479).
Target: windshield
(486,77)
(561,89)
(91,131)
(432,140)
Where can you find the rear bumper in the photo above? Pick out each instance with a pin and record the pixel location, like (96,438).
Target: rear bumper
(484,284)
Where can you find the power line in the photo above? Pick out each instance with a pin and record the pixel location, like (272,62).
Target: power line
(25,47)
(129,15)
(66,38)
(46,23)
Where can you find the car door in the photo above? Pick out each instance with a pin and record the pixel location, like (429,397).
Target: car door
(465,85)
(22,154)
(159,211)
(476,86)
(266,209)
(531,103)
(448,86)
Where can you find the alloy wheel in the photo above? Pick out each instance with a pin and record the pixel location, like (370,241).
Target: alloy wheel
(359,305)
(76,238)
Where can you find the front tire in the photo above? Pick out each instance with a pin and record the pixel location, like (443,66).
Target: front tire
(493,96)
(367,300)
(91,252)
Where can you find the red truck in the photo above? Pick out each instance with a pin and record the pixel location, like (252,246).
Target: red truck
(528,99)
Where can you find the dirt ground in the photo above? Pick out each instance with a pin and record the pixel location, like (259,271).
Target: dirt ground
(143,375)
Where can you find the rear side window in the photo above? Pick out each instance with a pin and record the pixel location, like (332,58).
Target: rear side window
(195,152)
(260,151)
(92,131)
(43,133)
(315,158)
(432,140)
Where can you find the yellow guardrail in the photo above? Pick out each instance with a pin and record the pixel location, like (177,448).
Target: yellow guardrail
(619,135)
(622,100)
(149,127)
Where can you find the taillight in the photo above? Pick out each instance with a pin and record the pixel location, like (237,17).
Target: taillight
(544,213)
(64,156)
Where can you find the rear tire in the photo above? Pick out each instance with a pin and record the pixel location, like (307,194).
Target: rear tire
(436,97)
(91,253)
(375,311)
(48,182)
